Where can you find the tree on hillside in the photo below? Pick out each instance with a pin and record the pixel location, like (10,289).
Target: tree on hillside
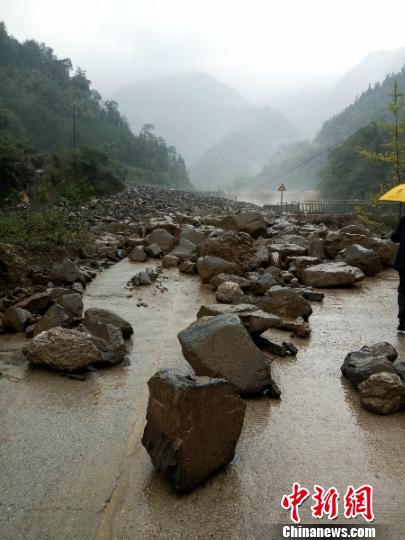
(393,151)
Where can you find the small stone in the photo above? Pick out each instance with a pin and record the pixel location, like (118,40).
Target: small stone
(188,267)
(17,319)
(94,315)
(382,393)
(170,261)
(154,251)
(138,254)
(227,292)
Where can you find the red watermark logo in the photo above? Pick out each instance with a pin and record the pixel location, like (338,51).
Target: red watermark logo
(357,502)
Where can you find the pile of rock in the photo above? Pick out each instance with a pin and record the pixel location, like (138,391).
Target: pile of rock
(379,376)
(101,339)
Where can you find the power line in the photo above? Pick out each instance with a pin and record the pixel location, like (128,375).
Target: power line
(302,163)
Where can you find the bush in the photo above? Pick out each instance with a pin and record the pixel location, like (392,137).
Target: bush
(43,230)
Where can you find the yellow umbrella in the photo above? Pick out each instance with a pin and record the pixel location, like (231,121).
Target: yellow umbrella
(396,194)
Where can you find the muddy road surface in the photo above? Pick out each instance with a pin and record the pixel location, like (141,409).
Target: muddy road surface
(72,462)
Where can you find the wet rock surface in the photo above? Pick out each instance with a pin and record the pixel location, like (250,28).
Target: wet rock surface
(222,347)
(62,349)
(334,274)
(382,393)
(193,426)
(98,315)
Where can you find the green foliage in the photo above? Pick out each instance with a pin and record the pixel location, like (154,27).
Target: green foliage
(394,148)
(370,161)
(348,175)
(43,230)
(71,175)
(37,97)
(373,104)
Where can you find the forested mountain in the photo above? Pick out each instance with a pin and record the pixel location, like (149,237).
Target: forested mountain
(245,151)
(344,129)
(349,174)
(373,69)
(38,97)
(371,105)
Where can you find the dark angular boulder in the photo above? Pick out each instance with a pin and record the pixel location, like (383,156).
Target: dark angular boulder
(193,426)
(222,347)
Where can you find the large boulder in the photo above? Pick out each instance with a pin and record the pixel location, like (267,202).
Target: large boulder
(162,238)
(358,366)
(335,241)
(65,272)
(63,349)
(286,304)
(209,267)
(193,426)
(221,347)
(251,223)
(95,315)
(382,393)
(334,274)
(363,258)
(235,247)
(193,235)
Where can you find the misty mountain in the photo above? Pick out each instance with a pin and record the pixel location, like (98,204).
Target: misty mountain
(309,158)
(192,111)
(372,69)
(244,151)
(310,107)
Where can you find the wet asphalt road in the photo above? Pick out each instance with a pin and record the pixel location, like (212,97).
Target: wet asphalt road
(73,466)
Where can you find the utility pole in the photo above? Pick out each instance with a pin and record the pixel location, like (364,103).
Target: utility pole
(74,124)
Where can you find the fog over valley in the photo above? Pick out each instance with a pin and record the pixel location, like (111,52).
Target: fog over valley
(241,92)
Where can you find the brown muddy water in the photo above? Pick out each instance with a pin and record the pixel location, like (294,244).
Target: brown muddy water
(73,467)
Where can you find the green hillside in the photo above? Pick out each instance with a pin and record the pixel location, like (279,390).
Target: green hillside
(39,95)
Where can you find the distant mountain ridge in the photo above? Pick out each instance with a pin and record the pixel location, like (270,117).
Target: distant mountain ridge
(245,151)
(218,132)
(371,105)
(192,111)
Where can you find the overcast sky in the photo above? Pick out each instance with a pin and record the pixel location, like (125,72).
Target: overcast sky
(257,46)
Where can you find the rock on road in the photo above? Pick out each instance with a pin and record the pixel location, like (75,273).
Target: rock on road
(72,462)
